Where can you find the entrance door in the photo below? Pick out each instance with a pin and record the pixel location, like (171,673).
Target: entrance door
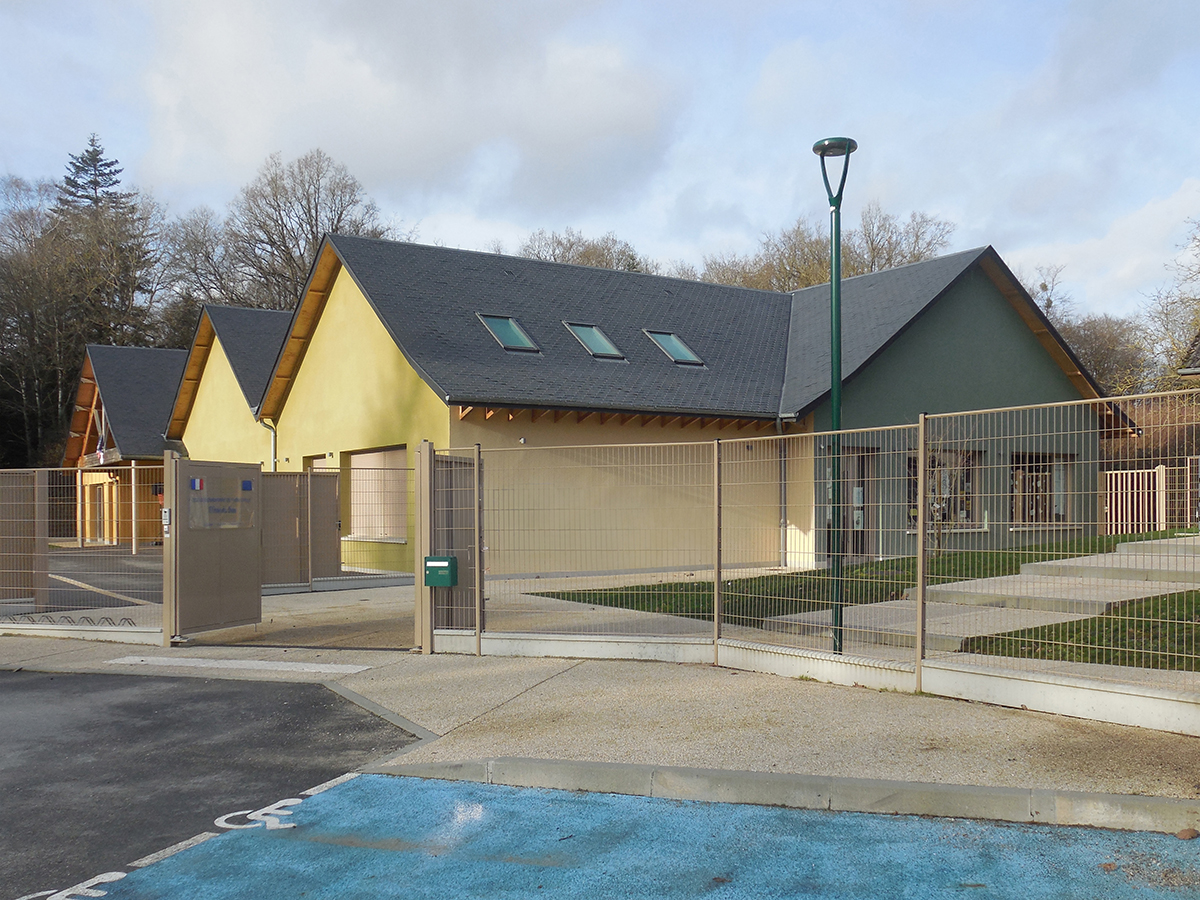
(859,503)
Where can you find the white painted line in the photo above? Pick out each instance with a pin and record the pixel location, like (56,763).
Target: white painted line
(331,783)
(102,591)
(255,664)
(172,850)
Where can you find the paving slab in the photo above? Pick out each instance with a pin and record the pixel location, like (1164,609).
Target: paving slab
(1128,566)
(704,717)
(1055,593)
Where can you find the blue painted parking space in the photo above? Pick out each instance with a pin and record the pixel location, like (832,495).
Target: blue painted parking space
(379,836)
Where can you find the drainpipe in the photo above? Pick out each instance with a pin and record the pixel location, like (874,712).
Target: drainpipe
(274,442)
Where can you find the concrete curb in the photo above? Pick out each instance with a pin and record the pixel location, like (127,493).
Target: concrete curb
(1048,807)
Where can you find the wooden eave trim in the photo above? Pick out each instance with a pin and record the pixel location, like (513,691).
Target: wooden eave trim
(1020,302)
(304,324)
(579,416)
(193,372)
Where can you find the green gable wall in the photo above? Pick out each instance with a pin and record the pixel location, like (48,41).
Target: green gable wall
(971,350)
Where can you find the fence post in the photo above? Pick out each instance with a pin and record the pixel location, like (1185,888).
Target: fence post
(478,552)
(308,523)
(922,527)
(716,551)
(1160,497)
(423,497)
(133,506)
(41,543)
(172,522)
(79,508)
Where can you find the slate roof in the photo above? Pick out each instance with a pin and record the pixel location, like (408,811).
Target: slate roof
(766,354)
(137,387)
(428,298)
(251,339)
(876,309)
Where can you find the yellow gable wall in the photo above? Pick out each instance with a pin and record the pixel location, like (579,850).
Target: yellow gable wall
(354,389)
(220,425)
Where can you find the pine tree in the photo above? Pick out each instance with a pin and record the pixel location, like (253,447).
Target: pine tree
(92,179)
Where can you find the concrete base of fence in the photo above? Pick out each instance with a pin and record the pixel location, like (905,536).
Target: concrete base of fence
(584,646)
(966,801)
(1143,706)
(153,636)
(1123,704)
(339,583)
(853,671)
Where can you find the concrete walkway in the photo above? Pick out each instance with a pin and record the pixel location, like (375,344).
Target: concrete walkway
(664,714)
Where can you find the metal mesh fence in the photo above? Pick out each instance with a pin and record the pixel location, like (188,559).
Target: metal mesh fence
(1060,539)
(600,539)
(837,509)
(329,524)
(1064,540)
(81,547)
(377,515)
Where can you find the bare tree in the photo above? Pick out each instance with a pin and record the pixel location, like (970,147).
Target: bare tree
(260,254)
(798,256)
(277,221)
(570,246)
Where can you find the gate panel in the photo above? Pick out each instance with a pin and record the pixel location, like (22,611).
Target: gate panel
(213,539)
(455,512)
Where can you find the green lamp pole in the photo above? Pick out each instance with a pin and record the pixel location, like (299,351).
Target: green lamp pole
(837,146)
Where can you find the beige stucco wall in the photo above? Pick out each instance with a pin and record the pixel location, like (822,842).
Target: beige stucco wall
(220,426)
(606,508)
(355,390)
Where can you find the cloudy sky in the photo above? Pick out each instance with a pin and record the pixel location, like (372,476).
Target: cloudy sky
(1060,132)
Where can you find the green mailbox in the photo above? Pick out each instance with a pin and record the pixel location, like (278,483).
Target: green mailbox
(441,571)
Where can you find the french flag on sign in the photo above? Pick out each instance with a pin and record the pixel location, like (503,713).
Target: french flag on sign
(197,484)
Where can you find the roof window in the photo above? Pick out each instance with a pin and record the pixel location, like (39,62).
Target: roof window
(508,333)
(595,340)
(673,345)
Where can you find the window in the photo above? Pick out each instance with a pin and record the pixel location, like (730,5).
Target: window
(674,347)
(595,340)
(379,494)
(1040,488)
(951,482)
(508,333)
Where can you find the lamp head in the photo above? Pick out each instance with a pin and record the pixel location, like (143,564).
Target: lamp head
(835,146)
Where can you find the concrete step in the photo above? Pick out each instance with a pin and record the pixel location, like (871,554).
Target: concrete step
(1123,567)
(1073,594)
(1177,546)
(893,623)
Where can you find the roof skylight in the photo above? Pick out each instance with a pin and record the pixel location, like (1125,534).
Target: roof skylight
(673,345)
(508,333)
(595,340)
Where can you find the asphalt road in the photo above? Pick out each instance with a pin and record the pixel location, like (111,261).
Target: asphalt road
(97,771)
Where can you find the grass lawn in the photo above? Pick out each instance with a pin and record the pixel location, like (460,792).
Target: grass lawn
(750,600)
(1153,633)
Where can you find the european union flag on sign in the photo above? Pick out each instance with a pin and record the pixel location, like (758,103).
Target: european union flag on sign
(197,484)
(247,485)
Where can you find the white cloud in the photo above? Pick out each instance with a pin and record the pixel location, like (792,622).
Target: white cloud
(1114,272)
(412,96)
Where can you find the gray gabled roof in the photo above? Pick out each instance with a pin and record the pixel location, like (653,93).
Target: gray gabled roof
(876,309)
(766,354)
(251,339)
(137,389)
(428,298)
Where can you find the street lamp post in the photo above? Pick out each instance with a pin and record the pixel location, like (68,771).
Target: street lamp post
(837,146)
